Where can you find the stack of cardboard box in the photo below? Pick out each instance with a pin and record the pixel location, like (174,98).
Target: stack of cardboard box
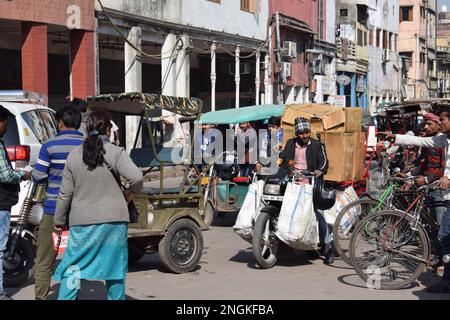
(339,129)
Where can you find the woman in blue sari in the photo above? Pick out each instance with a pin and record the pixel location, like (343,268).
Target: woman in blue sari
(95,207)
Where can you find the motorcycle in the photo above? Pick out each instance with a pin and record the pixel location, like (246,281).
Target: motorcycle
(21,249)
(265,242)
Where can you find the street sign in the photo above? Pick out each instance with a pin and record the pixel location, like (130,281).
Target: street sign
(339,101)
(343,79)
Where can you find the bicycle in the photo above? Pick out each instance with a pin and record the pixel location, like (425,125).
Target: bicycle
(390,249)
(359,209)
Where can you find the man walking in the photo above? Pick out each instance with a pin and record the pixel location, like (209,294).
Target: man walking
(9,192)
(49,169)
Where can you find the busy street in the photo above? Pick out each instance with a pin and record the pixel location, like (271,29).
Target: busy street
(241,150)
(227,271)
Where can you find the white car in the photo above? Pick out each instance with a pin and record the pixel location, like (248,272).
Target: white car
(33,125)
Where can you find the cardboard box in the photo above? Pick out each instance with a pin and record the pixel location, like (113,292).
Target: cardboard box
(324,117)
(345,155)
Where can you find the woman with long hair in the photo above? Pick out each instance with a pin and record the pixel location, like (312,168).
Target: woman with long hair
(95,207)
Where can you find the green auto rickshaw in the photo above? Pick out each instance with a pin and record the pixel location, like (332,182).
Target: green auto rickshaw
(225,189)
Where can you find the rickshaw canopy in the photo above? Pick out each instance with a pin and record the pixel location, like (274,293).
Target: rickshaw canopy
(136,102)
(244,114)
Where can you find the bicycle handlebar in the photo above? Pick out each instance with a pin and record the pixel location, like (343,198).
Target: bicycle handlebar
(427,187)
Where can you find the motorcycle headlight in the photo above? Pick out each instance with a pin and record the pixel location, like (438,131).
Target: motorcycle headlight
(273,189)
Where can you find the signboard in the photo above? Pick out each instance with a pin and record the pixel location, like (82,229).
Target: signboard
(339,101)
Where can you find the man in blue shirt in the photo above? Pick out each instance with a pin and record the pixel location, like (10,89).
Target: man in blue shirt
(49,170)
(9,192)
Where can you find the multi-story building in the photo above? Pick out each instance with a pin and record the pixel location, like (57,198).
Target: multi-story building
(443,53)
(212,49)
(433,87)
(384,76)
(352,40)
(417,47)
(48,47)
(302,43)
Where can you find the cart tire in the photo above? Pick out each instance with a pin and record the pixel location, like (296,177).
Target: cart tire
(21,270)
(181,248)
(265,243)
(208,214)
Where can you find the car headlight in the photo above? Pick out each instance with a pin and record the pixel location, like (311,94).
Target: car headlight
(273,189)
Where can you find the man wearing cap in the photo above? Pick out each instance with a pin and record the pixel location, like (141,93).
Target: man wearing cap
(305,153)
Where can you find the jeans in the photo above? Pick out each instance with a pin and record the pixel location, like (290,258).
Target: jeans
(324,231)
(437,212)
(69,291)
(4,233)
(444,238)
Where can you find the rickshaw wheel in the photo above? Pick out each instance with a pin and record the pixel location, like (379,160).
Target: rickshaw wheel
(181,248)
(208,214)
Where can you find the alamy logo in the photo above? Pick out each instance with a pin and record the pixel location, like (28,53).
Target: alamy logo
(73,281)
(74,17)
(374,279)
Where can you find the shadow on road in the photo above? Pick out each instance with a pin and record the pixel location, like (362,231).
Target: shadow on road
(151,262)
(224,220)
(427,279)
(285,259)
(90,290)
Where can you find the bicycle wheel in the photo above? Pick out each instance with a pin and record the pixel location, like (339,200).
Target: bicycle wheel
(345,222)
(389,250)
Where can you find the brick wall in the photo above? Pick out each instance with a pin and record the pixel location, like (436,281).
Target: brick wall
(48,11)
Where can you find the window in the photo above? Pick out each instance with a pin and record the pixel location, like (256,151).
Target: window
(359,39)
(247,5)
(407,58)
(422,58)
(216,1)
(41,123)
(378,44)
(406,13)
(371,38)
(320,18)
(390,41)
(385,39)
(395,42)
(362,14)
(11,137)
(422,12)
(343,12)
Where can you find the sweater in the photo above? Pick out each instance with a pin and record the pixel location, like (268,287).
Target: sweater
(94,197)
(50,164)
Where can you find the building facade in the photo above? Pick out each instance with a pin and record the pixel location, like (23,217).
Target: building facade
(48,47)
(384,76)
(417,48)
(443,53)
(352,40)
(302,50)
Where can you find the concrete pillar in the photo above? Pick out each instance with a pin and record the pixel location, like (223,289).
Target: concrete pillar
(237,76)
(213,76)
(35,58)
(353,91)
(96,59)
(82,64)
(133,82)
(257,77)
(183,69)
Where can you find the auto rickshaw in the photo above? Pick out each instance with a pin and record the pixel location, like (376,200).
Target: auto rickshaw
(169,206)
(225,189)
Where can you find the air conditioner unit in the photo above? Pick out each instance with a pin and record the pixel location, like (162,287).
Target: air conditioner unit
(286,70)
(290,49)
(244,68)
(385,55)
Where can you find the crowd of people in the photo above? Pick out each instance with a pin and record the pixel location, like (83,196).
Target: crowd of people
(78,167)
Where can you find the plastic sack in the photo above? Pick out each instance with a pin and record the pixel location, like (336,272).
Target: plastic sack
(245,220)
(343,198)
(297,224)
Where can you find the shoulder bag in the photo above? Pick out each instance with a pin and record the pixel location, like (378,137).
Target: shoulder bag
(132,210)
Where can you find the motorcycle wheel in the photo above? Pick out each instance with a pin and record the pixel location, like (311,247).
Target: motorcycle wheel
(265,242)
(18,271)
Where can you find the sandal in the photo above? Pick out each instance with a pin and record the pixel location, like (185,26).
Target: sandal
(440,287)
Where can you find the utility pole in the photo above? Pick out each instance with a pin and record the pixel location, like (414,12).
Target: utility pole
(280,97)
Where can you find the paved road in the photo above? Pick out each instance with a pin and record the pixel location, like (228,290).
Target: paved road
(227,271)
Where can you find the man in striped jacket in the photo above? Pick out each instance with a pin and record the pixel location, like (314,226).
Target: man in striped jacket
(49,170)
